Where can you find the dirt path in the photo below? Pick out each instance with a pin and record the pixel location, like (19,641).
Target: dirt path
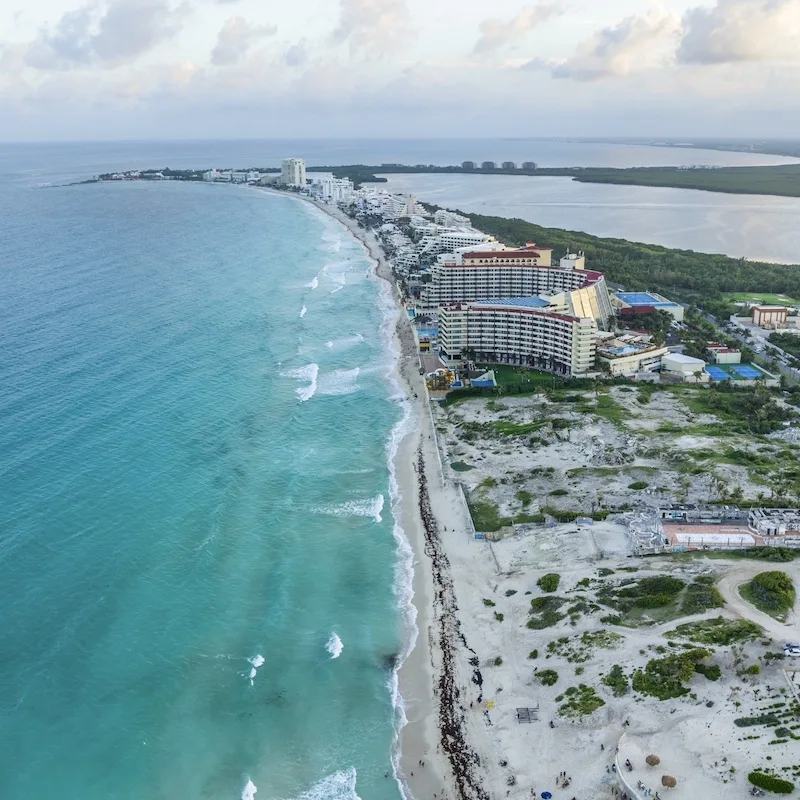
(741,573)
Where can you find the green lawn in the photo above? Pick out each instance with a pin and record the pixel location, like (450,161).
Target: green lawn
(758,297)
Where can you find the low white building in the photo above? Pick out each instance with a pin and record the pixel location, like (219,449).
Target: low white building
(685,367)
(626,355)
(722,354)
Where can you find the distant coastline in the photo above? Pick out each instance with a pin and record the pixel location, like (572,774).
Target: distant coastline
(782,180)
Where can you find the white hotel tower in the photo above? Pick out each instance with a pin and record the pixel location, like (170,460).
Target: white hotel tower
(293,172)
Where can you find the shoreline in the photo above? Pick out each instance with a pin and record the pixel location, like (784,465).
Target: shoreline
(415,463)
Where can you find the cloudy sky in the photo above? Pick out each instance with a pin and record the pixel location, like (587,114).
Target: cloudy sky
(104,69)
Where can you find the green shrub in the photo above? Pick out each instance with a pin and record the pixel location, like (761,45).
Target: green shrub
(701,595)
(712,672)
(533,654)
(498,616)
(770,783)
(772,592)
(524,497)
(551,603)
(582,702)
(559,493)
(547,677)
(510,592)
(498,661)
(545,620)
(489,603)
(549,582)
(617,681)
(749,722)
(754,669)
(638,485)
(718,631)
(664,677)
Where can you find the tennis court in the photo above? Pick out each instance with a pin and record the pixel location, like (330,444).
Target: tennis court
(717,374)
(747,372)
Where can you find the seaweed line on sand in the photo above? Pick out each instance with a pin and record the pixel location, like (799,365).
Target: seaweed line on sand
(464,761)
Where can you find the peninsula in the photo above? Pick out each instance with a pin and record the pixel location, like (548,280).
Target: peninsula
(780,180)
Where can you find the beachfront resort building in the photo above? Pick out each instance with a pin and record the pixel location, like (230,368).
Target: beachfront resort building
(502,272)
(327,187)
(293,172)
(449,219)
(520,331)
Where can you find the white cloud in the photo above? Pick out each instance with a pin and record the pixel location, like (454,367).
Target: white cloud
(634,44)
(496,34)
(235,38)
(373,26)
(740,31)
(106,34)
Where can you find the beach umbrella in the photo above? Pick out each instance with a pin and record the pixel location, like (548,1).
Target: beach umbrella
(653,761)
(668,781)
(546,795)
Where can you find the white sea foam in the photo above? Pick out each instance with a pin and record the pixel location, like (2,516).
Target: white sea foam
(303,312)
(340,381)
(249,791)
(255,663)
(345,342)
(404,569)
(334,645)
(313,283)
(309,374)
(356,508)
(339,786)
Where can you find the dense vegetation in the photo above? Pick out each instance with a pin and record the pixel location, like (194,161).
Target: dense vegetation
(717,631)
(547,677)
(781,180)
(664,677)
(772,592)
(786,341)
(770,783)
(680,274)
(617,681)
(545,612)
(549,582)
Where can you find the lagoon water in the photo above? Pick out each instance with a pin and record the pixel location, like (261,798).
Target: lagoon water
(743,226)
(204,592)
(198,563)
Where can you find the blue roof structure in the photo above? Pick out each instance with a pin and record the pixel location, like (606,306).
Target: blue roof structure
(520,302)
(643,299)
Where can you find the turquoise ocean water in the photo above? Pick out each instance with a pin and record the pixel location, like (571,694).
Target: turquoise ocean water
(203,588)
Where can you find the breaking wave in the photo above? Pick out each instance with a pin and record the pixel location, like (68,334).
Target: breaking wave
(303,312)
(309,374)
(255,663)
(249,791)
(334,645)
(341,381)
(356,508)
(339,786)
